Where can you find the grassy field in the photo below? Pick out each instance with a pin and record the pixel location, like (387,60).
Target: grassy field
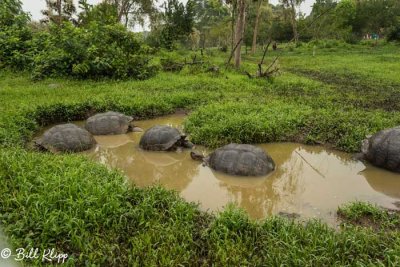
(79,207)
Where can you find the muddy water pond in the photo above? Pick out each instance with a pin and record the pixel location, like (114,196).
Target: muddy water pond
(311,181)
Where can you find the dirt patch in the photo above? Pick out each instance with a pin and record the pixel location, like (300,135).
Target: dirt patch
(358,90)
(391,222)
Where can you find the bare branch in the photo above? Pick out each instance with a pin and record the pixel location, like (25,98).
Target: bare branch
(233,52)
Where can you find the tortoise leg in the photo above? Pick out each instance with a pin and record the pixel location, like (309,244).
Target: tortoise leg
(173,148)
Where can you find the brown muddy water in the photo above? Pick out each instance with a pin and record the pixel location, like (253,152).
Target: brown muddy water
(311,181)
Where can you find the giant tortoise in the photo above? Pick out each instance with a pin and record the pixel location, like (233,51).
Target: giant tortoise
(383,149)
(109,123)
(163,138)
(66,138)
(238,159)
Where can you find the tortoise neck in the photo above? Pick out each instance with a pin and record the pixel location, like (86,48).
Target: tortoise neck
(196,156)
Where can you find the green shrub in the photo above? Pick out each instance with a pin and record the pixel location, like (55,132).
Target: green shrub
(94,52)
(172,63)
(14,35)
(14,45)
(394,33)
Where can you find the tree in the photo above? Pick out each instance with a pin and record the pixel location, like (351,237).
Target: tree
(102,13)
(15,35)
(255,31)
(281,28)
(259,15)
(291,6)
(194,39)
(11,14)
(131,11)
(210,15)
(239,30)
(59,11)
(233,6)
(178,21)
(323,20)
(375,15)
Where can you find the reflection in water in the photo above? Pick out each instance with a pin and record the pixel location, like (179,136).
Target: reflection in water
(383,181)
(310,180)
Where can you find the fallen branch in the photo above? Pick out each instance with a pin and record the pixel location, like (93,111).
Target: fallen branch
(268,72)
(265,52)
(249,75)
(270,65)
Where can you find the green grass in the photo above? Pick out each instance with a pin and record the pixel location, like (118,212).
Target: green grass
(366,214)
(81,208)
(275,120)
(87,211)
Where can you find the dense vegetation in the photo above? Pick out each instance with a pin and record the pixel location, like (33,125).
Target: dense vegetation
(95,49)
(327,92)
(95,44)
(143,226)
(91,215)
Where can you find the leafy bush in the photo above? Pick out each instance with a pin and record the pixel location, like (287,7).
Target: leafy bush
(14,35)
(179,21)
(93,52)
(175,61)
(394,34)
(14,45)
(171,63)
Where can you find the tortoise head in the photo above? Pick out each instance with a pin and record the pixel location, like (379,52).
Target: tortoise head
(185,143)
(131,125)
(38,144)
(196,156)
(364,149)
(133,128)
(365,145)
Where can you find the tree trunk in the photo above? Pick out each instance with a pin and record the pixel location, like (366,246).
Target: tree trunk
(204,40)
(239,30)
(126,21)
(255,32)
(59,10)
(233,28)
(294,22)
